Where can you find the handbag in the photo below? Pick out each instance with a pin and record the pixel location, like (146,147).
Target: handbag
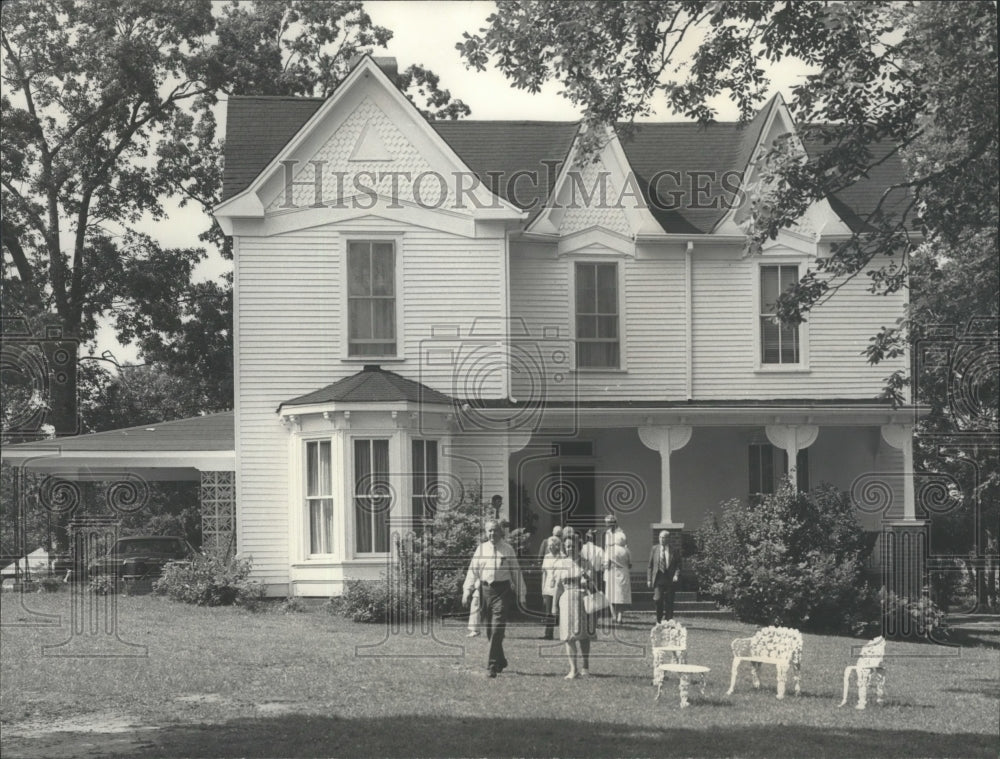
(594,602)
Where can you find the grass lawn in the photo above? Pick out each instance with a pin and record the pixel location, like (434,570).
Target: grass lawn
(224,682)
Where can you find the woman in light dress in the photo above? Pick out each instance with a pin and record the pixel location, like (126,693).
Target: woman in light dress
(617,576)
(550,576)
(575,580)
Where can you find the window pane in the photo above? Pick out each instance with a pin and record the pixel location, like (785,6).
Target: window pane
(769,341)
(607,289)
(359,273)
(318,474)
(789,345)
(769,288)
(755,469)
(360,317)
(418,456)
(767,469)
(607,326)
(586,289)
(586,326)
(362,526)
(321,526)
(384,318)
(789,276)
(362,467)
(383,269)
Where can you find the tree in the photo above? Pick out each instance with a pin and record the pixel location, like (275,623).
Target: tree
(884,74)
(107,109)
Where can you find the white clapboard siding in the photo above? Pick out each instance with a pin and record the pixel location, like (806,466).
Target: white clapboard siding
(725,324)
(652,324)
(291,342)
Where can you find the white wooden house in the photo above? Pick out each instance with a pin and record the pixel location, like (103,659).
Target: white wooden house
(456,303)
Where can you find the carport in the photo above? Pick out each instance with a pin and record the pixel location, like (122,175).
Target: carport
(199,449)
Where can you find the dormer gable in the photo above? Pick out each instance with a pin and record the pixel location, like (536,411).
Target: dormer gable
(365,150)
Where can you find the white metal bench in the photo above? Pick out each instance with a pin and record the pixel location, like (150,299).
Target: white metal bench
(780,646)
(868,669)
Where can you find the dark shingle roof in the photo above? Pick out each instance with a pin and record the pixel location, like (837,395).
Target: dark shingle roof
(257,128)
(213,432)
(372,385)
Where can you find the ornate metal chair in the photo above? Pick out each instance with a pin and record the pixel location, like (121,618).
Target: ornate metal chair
(669,643)
(780,646)
(868,669)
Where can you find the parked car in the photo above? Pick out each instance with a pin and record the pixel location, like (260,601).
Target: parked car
(140,557)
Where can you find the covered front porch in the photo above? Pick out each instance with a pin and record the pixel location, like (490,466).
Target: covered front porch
(671,468)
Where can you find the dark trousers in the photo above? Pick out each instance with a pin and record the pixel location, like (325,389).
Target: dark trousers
(663,596)
(550,618)
(496,602)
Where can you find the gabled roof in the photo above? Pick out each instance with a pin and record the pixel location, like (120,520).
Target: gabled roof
(257,128)
(371,385)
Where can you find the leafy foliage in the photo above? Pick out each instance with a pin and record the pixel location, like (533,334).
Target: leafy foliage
(793,560)
(210,580)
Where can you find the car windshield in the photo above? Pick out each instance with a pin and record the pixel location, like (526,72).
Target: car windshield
(148,547)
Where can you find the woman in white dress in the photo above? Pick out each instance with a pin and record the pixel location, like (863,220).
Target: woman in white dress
(617,576)
(575,580)
(550,577)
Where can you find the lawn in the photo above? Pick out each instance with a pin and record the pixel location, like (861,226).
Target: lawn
(224,682)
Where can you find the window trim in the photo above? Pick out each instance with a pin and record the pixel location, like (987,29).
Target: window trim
(618,263)
(349,484)
(305,500)
(397,239)
(759,366)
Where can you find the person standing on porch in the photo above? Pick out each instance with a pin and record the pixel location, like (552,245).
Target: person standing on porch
(662,574)
(618,577)
(556,533)
(494,565)
(611,531)
(595,555)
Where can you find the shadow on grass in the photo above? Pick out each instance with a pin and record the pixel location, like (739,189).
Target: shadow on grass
(427,736)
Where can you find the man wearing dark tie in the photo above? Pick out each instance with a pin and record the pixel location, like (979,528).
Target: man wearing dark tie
(662,574)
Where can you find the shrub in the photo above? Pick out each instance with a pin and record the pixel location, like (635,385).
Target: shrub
(428,569)
(210,580)
(793,560)
(884,613)
(104,585)
(293,605)
(51,584)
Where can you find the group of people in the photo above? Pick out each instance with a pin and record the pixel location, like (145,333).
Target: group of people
(572,570)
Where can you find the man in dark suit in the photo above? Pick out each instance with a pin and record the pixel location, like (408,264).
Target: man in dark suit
(662,575)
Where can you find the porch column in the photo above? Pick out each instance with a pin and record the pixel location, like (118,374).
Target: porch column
(792,438)
(666,439)
(900,436)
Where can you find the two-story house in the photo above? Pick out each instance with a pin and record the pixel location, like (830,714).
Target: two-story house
(423,307)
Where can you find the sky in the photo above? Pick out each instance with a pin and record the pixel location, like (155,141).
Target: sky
(424,32)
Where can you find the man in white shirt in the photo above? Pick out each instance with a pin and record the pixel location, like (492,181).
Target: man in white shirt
(494,565)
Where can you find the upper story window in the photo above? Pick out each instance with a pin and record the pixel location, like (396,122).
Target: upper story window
(597,330)
(319,496)
(779,343)
(372,496)
(371,298)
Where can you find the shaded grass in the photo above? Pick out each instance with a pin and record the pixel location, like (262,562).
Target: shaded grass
(224,682)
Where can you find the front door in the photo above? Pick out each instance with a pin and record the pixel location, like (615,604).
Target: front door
(578,506)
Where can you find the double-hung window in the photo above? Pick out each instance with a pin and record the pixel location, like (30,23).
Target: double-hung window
(371,298)
(424,481)
(319,496)
(598,344)
(372,496)
(779,343)
(763,475)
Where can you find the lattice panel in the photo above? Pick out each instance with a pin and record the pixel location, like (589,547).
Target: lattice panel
(218,511)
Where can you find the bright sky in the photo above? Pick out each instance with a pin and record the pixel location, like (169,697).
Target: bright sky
(426,33)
